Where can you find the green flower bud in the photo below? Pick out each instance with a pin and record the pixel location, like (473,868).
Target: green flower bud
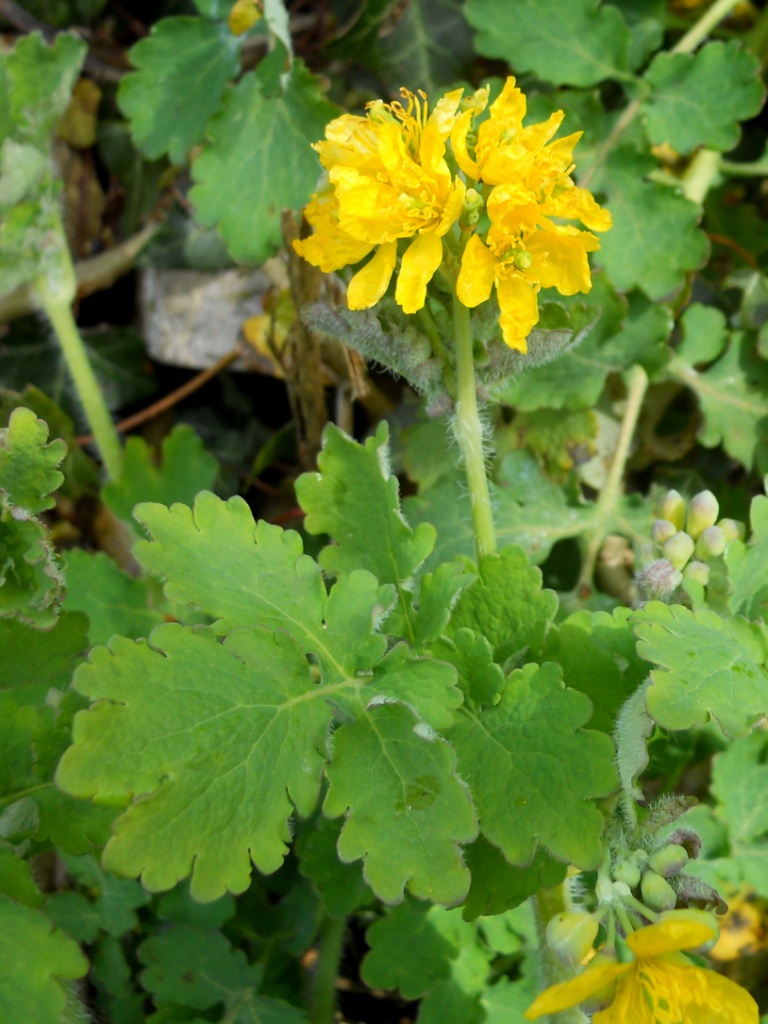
(621,889)
(656,891)
(669,860)
(698,571)
(703,511)
(570,935)
(639,857)
(673,509)
(627,871)
(705,917)
(662,530)
(733,529)
(711,543)
(678,549)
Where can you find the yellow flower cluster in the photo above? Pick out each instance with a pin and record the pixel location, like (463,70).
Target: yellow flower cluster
(659,986)
(392,175)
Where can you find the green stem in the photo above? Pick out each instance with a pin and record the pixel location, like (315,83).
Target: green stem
(755,169)
(322,1001)
(547,903)
(611,492)
(468,431)
(699,32)
(56,289)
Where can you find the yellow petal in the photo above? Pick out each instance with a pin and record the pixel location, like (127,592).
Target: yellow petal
(369,284)
(668,936)
(443,117)
(459,145)
(453,207)
(330,247)
(519,310)
(560,258)
(510,106)
(477,274)
(579,204)
(420,261)
(570,993)
(536,136)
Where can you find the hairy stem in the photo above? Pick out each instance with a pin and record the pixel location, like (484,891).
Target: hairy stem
(611,492)
(55,290)
(468,431)
(322,1000)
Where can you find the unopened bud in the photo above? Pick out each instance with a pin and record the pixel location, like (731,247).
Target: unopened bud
(697,571)
(711,543)
(678,549)
(733,529)
(669,860)
(662,530)
(703,917)
(621,889)
(639,857)
(673,509)
(656,891)
(570,935)
(703,510)
(658,581)
(628,872)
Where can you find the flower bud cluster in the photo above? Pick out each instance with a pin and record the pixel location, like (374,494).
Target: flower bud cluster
(686,537)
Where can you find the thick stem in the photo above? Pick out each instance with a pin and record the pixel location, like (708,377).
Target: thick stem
(611,492)
(547,903)
(699,32)
(55,290)
(322,1001)
(468,431)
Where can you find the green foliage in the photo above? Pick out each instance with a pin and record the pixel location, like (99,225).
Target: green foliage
(532,738)
(183,68)
(652,249)
(38,962)
(195,812)
(35,85)
(408,811)
(185,468)
(233,173)
(507,605)
(528,36)
(748,566)
(30,578)
(708,667)
(680,110)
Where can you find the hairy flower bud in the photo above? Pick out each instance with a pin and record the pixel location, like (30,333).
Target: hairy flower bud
(662,530)
(678,549)
(703,510)
(669,860)
(658,581)
(673,509)
(656,891)
(570,935)
(711,543)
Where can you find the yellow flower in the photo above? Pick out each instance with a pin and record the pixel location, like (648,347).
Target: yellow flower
(387,179)
(660,986)
(525,249)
